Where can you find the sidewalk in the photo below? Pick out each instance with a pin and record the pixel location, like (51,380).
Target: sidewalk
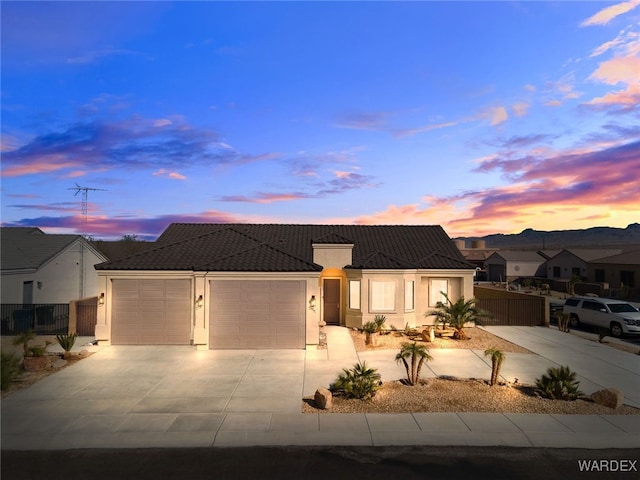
(125,398)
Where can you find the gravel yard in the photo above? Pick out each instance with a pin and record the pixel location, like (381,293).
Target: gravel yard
(457,394)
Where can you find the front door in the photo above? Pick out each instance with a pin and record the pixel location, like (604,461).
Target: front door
(331,304)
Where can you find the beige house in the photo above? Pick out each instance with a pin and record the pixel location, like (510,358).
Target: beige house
(271,286)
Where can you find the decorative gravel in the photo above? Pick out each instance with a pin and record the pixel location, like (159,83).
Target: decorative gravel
(462,395)
(458,395)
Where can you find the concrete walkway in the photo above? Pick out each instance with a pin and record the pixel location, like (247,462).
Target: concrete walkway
(140,397)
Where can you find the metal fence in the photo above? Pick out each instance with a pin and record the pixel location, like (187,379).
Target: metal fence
(43,319)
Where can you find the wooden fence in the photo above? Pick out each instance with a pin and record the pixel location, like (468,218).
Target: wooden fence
(510,308)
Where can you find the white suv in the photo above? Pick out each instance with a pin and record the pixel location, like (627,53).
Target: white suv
(618,316)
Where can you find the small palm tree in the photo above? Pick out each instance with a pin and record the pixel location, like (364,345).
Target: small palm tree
(457,314)
(418,355)
(497,357)
(359,382)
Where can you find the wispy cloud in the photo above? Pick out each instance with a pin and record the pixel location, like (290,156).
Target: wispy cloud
(96,55)
(559,185)
(166,173)
(135,143)
(607,14)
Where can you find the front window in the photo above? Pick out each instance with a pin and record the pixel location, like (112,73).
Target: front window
(354,294)
(437,291)
(383,296)
(409,295)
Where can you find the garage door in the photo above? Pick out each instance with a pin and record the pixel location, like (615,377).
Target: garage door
(257,314)
(151,312)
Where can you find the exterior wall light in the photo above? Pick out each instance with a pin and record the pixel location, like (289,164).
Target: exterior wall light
(200,302)
(312,303)
(101,299)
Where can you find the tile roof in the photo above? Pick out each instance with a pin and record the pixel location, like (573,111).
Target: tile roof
(279,248)
(30,248)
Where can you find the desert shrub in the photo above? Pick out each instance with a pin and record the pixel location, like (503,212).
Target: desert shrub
(23,339)
(358,382)
(10,368)
(380,321)
(559,383)
(66,341)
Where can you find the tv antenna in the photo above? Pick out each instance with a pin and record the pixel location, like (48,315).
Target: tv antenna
(85,193)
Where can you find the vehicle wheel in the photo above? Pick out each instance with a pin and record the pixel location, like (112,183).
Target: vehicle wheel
(575,322)
(616,330)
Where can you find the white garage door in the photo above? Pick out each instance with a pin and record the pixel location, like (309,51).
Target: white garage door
(257,314)
(151,312)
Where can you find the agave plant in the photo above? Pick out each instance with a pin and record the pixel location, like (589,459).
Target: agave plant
(497,357)
(66,341)
(559,384)
(359,382)
(417,354)
(457,314)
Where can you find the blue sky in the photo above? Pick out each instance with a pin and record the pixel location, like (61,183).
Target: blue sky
(483,117)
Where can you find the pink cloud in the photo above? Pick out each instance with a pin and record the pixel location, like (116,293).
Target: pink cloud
(607,14)
(165,173)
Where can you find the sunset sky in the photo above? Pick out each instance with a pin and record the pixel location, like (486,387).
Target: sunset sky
(483,117)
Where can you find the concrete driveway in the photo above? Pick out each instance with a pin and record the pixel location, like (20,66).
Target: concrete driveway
(125,397)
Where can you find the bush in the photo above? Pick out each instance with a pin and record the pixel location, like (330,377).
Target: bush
(559,384)
(380,321)
(359,382)
(66,341)
(10,368)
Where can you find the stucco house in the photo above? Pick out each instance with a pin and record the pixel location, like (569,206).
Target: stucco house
(621,273)
(505,265)
(40,268)
(269,286)
(569,262)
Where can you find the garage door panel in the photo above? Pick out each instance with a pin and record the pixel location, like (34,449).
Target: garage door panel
(266,314)
(151,312)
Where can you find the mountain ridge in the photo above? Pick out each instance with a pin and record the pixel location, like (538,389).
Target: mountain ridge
(589,237)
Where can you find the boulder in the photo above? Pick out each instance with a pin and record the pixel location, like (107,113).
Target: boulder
(323,398)
(609,397)
(59,363)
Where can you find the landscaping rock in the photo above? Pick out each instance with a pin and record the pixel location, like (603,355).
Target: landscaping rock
(59,363)
(323,398)
(609,397)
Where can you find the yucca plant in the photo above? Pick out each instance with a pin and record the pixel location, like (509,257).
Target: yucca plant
(66,341)
(457,314)
(417,354)
(559,384)
(497,357)
(359,382)
(380,321)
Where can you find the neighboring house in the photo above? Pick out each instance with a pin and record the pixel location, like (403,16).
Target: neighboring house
(569,262)
(621,273)
(270,286)
(40,268)
(505,265)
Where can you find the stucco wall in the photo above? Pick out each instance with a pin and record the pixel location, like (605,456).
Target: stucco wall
(58,281)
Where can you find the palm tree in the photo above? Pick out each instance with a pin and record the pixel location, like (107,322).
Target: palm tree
(418,355)
(457,314)
(497,357)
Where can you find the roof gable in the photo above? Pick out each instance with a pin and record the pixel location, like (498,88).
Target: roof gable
(30,248)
